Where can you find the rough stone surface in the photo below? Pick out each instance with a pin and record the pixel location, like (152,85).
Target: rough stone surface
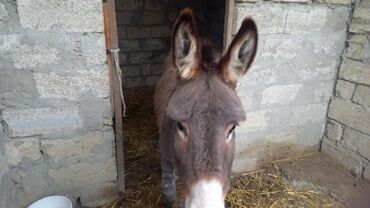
(357,142)
(344,89)
(362,95)
(317,171)
(82,147)
(30,56)
(280,94)
(71,87)
(361,20)
(18,149)
(73,16)
(350,114)
(55,111)
(355,71)
(84,173)
(334,131)
(308,113)
(42,120)
(348,159)
(280,18)
(367,173)
(357,47)
(332,1)
(256,121)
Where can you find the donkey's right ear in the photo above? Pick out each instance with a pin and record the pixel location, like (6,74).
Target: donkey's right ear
(241,52)
(185,49)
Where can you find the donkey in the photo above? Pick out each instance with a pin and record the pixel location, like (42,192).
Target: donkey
(197,109)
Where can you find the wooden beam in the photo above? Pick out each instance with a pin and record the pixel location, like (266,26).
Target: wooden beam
(111,35)
(228,25)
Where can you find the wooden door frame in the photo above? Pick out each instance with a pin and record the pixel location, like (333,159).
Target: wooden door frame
(111,41)
(228,22)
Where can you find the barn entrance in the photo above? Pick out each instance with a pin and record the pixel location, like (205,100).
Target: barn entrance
(144,33)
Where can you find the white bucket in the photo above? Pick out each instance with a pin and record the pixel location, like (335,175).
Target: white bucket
(52,202)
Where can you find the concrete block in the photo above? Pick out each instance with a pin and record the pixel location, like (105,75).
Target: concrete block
(147,57)
(302,20)
(17,81)
(362,95)
(315,92)
(357,47)
(131,71)
(152,18)
(134,82)
(123,59)
(155,5)
(334,131)
(138,32)
(350,114)
(80,147)
(71,87)
(346,2)
(26,56)
(256,121)
(61,15)
(161,31)
(131,4)
(4,16)
(367,172)
(270,18)
(293,1)
(360,21)
(6,190)
(357,142)
(280,94)
(100,194)
(152,80)
(130,45)
(25,122)
(83,174)
(348,159)
(153,69)
(17,149)
(309,113)
(355,71)
(154,45)
(344,89)
(93,49)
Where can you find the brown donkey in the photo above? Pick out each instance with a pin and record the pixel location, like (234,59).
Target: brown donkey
(197,110)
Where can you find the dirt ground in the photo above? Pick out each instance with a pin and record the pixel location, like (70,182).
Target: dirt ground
(298,182)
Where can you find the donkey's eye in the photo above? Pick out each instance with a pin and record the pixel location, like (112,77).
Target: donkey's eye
(181,129)
(180,126)
(231,132)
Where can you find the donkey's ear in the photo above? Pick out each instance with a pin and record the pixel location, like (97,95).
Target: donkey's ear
(185,45)
(241,52)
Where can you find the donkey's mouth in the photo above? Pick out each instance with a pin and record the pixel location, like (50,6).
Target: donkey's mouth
(205,194)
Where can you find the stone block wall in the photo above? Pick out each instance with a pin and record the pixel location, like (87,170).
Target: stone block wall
(55,107)
(145,27)
(347,133)
(6,197)
(287,90)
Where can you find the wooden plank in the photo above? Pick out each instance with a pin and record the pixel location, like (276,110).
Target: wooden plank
(112,43)
(228,24)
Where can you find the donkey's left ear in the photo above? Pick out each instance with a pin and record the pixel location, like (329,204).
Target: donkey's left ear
(241,52)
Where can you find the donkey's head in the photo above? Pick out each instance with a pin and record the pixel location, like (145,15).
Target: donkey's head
(206,108)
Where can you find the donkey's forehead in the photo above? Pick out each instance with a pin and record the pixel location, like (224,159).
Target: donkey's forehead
(205,94)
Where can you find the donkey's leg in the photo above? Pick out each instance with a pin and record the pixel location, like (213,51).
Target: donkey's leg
(169,182)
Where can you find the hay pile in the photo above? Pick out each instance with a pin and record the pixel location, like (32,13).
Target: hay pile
(263,189)
(260,189)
